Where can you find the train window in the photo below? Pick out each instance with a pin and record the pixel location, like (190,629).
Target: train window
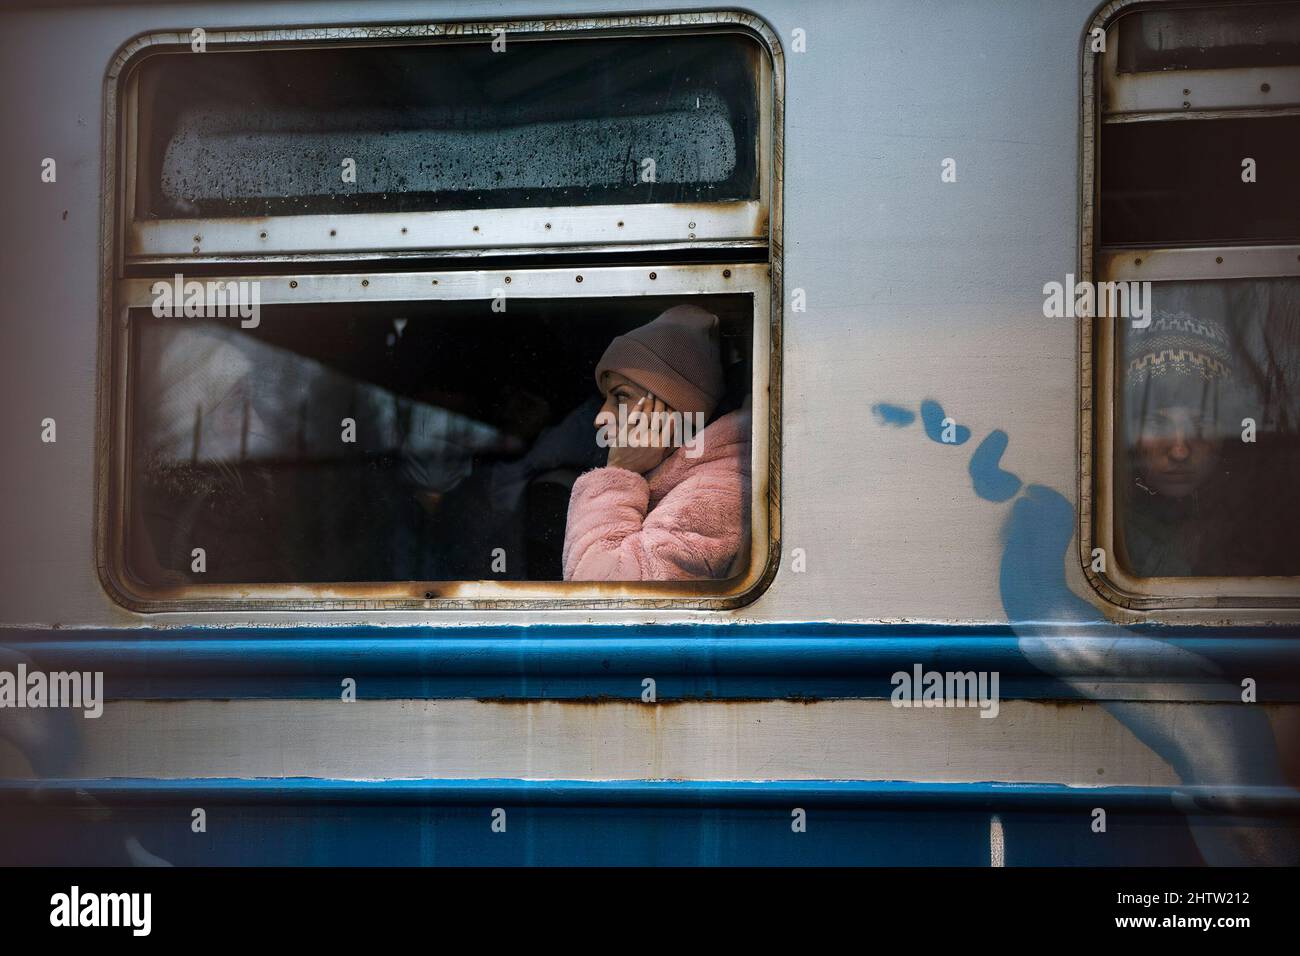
(336,148)
(1208,415)
(1154,195)
(1197,422)
(1200,62)
(1236,35)
(466,436)
(319,400)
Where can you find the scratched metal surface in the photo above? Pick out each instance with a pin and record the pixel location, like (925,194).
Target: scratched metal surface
(916,291)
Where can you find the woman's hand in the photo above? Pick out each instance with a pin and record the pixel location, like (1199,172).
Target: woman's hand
(649,437)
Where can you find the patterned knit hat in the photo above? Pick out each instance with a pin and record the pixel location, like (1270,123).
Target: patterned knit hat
(1178,360)
(676,357)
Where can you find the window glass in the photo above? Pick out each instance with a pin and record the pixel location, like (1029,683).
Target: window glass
(471,427)
(1223,36)
(667,119)
(1208,450)
(1179,182)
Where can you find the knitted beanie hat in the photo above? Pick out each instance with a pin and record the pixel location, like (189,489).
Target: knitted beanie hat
(1178,360)
(676,357)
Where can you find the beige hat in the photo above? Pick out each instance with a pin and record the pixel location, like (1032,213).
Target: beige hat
(676,357)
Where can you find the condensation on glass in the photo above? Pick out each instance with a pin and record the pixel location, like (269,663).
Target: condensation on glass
(1210,37)
(448,126)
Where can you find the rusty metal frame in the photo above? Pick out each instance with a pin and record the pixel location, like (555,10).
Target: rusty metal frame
(1097,363)
(460,233)
(763,280)
(1198,262)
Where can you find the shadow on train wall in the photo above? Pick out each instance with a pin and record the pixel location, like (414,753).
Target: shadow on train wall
(1206,744)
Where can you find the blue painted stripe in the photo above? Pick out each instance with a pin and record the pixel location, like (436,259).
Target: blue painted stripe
(734,661)
(1237,800)
(421,823)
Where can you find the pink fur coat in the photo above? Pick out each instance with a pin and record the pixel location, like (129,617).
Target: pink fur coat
(686,519)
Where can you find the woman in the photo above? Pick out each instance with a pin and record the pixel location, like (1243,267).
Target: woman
(1180,507)
(670,504)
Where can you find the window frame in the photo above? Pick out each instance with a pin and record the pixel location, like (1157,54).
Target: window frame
(1098,341)
(729,267)
(1192,94)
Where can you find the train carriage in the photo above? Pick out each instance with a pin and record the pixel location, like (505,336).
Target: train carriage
(303,307)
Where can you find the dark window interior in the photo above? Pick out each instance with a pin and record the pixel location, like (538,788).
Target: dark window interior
(555,122)
(1179,182)
(471,426)
(1221,36)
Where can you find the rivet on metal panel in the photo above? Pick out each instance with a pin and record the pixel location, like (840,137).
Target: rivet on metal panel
(579,278)
(1219,259)
(261,235)
(365,282)
(548,225)
(690,225)
(1137,261)
(334,232)
(476,228)
(726,273)
(653,276)
(620,224)
(293,283)
(507,280)
(1264,87)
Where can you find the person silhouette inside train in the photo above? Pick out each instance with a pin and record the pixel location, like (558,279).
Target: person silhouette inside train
(671,502)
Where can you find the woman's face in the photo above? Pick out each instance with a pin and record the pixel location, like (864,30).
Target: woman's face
(1174,453)
(619,390)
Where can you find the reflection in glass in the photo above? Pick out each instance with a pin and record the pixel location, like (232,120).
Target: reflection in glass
(1208,456)
(471,427)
